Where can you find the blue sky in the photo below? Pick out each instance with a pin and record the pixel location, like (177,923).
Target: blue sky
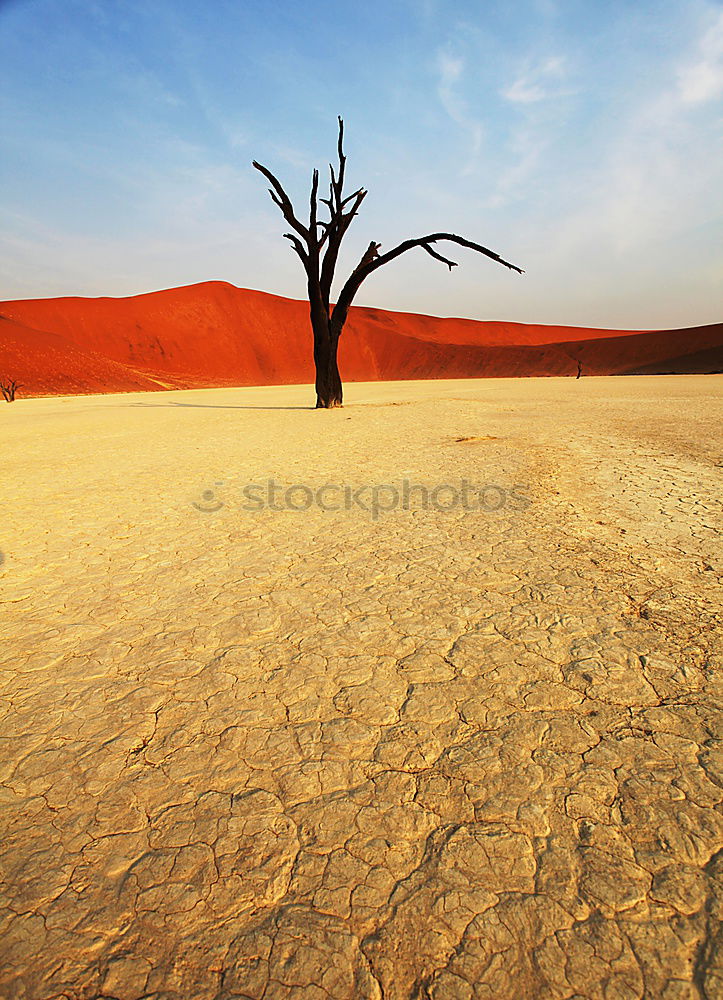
(582,140)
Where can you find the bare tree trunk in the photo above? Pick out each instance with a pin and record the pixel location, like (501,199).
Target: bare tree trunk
(328,379)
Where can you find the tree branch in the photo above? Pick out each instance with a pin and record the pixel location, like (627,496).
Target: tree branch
(438,256)
(340,222)
(321,240)
(313,205)
(298,246)
(350,196)
(342,163)
(371,261)
(434,238)
(281,198)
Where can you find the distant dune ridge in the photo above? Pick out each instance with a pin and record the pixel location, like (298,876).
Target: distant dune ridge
(215,334)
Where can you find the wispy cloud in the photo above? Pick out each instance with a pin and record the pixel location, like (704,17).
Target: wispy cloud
(539,82)
(637,220)
(535,124)
(450,71)
(701,77)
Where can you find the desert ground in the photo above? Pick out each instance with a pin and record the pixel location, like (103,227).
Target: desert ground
(461,745)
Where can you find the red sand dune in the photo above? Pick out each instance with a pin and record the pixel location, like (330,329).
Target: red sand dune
(214,334)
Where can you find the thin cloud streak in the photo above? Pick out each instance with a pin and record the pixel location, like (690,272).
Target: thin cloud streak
(451,69)
(539,83)
(701,79)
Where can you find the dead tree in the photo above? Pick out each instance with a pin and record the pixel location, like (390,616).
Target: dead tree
(9,389)
(317,244)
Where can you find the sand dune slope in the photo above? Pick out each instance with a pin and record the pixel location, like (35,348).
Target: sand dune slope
(214,334)
(48,364)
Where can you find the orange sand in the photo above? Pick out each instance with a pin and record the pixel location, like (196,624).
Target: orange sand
(214,334)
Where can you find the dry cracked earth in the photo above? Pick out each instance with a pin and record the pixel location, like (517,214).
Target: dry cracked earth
(456,754)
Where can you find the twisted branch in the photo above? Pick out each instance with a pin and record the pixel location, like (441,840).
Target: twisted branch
(371,261)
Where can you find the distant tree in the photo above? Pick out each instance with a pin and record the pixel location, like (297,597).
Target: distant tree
(9,389)
(318,244)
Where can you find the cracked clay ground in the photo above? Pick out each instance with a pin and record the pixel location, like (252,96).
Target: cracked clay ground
(459,755)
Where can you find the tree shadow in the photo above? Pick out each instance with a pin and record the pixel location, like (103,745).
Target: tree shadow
(216,406)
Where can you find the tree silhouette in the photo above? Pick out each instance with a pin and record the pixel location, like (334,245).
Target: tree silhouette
(9,389)
(318,243)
